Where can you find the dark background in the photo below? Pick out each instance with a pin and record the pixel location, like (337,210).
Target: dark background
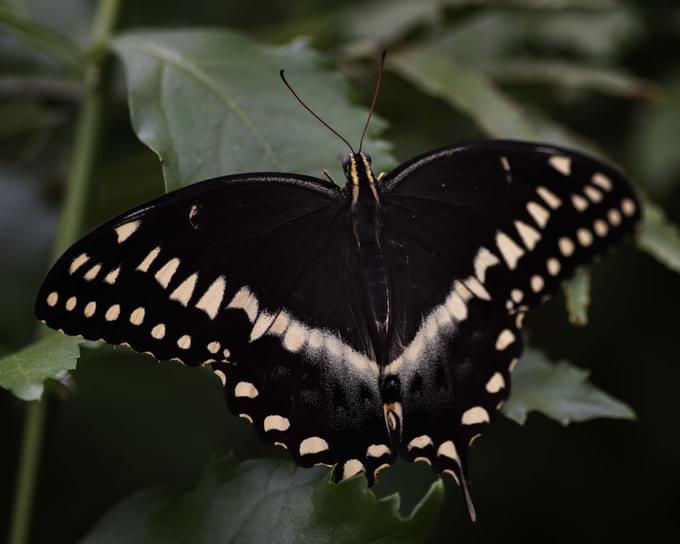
(123,422)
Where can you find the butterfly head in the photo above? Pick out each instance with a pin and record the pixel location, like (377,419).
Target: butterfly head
(357,169)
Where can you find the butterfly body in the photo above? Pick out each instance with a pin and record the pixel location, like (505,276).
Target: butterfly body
(350,326)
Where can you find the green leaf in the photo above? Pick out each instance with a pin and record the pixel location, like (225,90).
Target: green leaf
(572,76)
(265,501)
(652,146)
(659,237)
(374,25)
(577,296)
(57,46)
(211,103)
(436,72)
(560,391)
(24,371)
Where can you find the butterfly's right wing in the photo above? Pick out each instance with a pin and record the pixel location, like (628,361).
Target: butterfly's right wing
(255,276)
(474,236)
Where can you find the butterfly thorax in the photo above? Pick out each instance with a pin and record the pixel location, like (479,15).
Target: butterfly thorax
(367,225)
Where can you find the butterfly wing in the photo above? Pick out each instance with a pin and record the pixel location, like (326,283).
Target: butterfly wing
(254,276)
(475,235)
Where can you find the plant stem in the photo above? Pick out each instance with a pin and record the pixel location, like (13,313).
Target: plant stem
(71,225)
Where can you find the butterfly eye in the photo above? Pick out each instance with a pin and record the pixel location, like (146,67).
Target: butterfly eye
(346,162)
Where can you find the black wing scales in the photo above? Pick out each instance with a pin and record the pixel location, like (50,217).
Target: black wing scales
(254,276)
(475,235)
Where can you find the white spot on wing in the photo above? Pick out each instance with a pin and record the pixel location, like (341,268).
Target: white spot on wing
(112,276)
(448,449)
(214,347)
(211,300)
(377,450)
(529,235)
(52,299)
(628,207)
(352,468)
(261,325)
(276,423)
(614,217)
(505,338)
(112,313)
(561,163)
(477,288)
(584,237)
(90,309)
(149,259)
(495,383)
(184,290)
(537,283)
(123,232)
(222,376)
(553,266)
(246,301)
(484,260)
(165,274)
(510,251)
(280,324)
(566,246)
(184,342)
(593,194)
(92,272)
(538,213)
(420,442)
(245,390)
(516,295)
(600,228)
(158,332)
(295,337)
(602,181)
(548,197)
(580,203)
(475,415)
(137,317)
(312,445)
(79,261)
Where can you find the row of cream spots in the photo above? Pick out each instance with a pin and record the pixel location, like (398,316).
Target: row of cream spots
(136,318)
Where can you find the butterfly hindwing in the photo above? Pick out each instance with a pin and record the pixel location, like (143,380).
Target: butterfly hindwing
(255,276)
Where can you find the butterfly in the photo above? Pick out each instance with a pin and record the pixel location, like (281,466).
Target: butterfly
(350,325)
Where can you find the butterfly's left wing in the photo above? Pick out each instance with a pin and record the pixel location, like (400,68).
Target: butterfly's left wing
(474,236)
(255,276)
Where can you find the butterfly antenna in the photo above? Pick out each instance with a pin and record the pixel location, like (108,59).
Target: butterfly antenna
(376,92)
(324,123)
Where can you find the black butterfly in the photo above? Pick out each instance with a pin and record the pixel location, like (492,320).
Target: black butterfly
(350,325)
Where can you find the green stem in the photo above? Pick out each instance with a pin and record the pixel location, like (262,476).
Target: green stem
(71,225)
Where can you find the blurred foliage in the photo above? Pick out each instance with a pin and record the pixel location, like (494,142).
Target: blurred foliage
(599,75)
(266,500)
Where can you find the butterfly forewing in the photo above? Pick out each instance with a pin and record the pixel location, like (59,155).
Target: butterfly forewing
(255,276)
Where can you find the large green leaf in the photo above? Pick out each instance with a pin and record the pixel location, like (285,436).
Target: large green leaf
(23,372)
(571,76)
(560,391)
(265,501)
(659,237)
(211,103)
